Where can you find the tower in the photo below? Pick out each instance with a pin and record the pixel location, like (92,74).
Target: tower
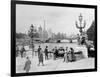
(45,33)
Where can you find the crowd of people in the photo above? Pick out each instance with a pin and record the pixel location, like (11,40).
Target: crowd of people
(67,54)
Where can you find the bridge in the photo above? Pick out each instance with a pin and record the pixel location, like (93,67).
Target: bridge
(70,39)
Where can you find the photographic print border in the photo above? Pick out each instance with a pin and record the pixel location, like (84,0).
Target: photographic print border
(13,37)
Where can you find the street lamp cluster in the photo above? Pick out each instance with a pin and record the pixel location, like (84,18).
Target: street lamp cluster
(83,36)
(31,34)
(80,26)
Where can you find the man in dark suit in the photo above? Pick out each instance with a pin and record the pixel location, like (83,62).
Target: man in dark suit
(46,53)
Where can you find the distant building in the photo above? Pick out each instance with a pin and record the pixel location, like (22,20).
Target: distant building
(43,34)
(40,32)
(49,33)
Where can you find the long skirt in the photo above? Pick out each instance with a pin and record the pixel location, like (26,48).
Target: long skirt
(41,58)
(27,68)
(69,57)
(65,57)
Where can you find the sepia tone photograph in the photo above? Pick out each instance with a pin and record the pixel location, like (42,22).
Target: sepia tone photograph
(54,38)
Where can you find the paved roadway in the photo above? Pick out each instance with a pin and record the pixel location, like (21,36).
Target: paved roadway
(53,65)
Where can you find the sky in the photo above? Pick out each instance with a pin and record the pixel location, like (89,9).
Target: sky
(58,19)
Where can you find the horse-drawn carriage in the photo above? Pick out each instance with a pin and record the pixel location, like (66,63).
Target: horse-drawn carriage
(58,52)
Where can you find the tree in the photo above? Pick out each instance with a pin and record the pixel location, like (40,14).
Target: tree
(20,35)
(91,32)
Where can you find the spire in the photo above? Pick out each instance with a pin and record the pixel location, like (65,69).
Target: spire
(44,24)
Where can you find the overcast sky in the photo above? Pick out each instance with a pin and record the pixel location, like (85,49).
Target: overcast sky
(59,19)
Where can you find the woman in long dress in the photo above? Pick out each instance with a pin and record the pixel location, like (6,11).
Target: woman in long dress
(27,65)
(66,55)
(71,56)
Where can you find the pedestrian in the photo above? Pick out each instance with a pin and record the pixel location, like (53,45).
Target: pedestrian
(55,53)
(71,55)
(40,57)
(78,39)
(83,40)
(66,55)
(22,51)
(17,51)
(46,53)
(27,65)
(38,50)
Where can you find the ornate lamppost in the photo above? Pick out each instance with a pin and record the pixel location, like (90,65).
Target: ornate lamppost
(80,26)
(31,34)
